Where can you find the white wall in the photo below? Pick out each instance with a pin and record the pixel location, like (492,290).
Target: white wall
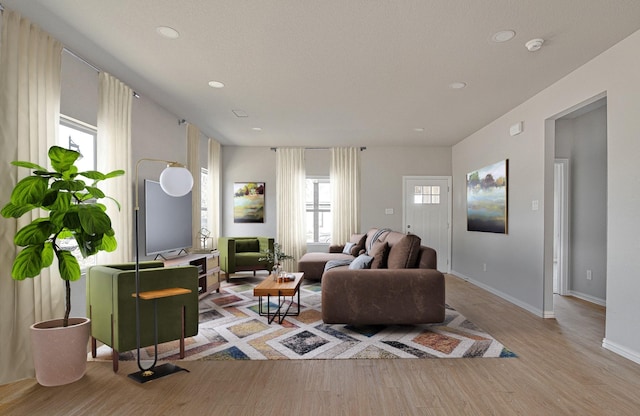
(248,164)
(519,264)
(381,174)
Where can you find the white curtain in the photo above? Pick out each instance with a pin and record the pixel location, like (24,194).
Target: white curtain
(114,152)
(193,164)
(290,188)
(29,113)
(345,193)
(213,204)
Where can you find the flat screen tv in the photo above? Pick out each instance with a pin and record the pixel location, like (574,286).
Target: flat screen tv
(167,221)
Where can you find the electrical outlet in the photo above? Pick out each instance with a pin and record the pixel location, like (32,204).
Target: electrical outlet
(589,275)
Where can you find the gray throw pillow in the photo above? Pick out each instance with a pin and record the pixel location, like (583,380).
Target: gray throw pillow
(361,262)
(347,248)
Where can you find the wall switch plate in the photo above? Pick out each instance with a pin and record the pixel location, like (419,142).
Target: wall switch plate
(484,267)
(589,275)
(535,205)
(388,211)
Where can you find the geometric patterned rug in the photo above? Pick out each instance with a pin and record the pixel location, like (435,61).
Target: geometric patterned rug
(231,329)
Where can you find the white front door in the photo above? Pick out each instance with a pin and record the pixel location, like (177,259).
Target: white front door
(427,213)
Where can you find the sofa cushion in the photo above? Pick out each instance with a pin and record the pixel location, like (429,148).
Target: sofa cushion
(358,240)
(361,262)
(347,248)
(247,245)
(380,253)
(404,250)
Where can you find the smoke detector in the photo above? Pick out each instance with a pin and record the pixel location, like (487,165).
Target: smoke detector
(534,44)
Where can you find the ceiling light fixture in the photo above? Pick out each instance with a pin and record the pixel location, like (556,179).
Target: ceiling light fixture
(534,45)
(503,36)
(457,85)
(256,128)
(167,32)
(216,84)
(419,129)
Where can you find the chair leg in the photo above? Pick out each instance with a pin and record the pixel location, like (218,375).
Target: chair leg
(115,358)
(94,347)
(182,334)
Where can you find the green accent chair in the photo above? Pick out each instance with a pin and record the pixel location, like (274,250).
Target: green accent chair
(112,308)
(243,253)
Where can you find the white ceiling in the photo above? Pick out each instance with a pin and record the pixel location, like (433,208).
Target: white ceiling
(336,72)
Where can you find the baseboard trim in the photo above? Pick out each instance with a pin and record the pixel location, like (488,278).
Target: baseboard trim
(620,350)
(588,298)
(509,298)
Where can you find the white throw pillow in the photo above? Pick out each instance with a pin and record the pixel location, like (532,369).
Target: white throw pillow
(347,248)
(361,262)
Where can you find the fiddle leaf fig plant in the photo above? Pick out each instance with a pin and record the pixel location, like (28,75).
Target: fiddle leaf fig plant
(73,213)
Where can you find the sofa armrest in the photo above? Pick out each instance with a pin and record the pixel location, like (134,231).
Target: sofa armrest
(336,248)
(227,254)
(266,243)
(383,296)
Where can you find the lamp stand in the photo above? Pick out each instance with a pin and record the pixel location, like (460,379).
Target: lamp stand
(153,372)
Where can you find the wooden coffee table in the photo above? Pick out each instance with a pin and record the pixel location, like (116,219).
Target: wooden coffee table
(268,287)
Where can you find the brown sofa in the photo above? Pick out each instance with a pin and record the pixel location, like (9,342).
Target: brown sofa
(400,286)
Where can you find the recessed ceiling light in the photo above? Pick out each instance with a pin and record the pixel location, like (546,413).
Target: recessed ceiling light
(168,32)
(216,84)
(457,85)
(503,36)
(418,129)
(256,128)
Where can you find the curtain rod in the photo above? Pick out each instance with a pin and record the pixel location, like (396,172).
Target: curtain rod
(319,148)
(90,65)
(75,55)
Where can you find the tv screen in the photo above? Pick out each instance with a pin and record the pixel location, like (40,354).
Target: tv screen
(167,220)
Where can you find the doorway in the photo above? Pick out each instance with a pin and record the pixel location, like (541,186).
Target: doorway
(427,214)
(580,202)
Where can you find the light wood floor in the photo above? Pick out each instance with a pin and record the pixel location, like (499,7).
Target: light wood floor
(561,369)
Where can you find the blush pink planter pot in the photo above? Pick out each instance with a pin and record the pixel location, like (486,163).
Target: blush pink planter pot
(59,353)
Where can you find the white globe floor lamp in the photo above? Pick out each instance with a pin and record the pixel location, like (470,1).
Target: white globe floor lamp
(176,181)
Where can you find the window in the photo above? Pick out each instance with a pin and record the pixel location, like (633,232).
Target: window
(82,138)
(318,207)
(426,195)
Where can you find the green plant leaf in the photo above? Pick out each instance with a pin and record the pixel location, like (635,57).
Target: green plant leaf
(62,159)
(28,263)
(62,201)
(34,233)
(109,242)
(116,202)
(89,244)
(93,174)
(114,174)
(71,219)
(30,190)
(70,185)
(50,197)
(65,234)
(15,211)
(47,254)
(68,266)
(47,174)
(93,219)
(27,165)
(95,192)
